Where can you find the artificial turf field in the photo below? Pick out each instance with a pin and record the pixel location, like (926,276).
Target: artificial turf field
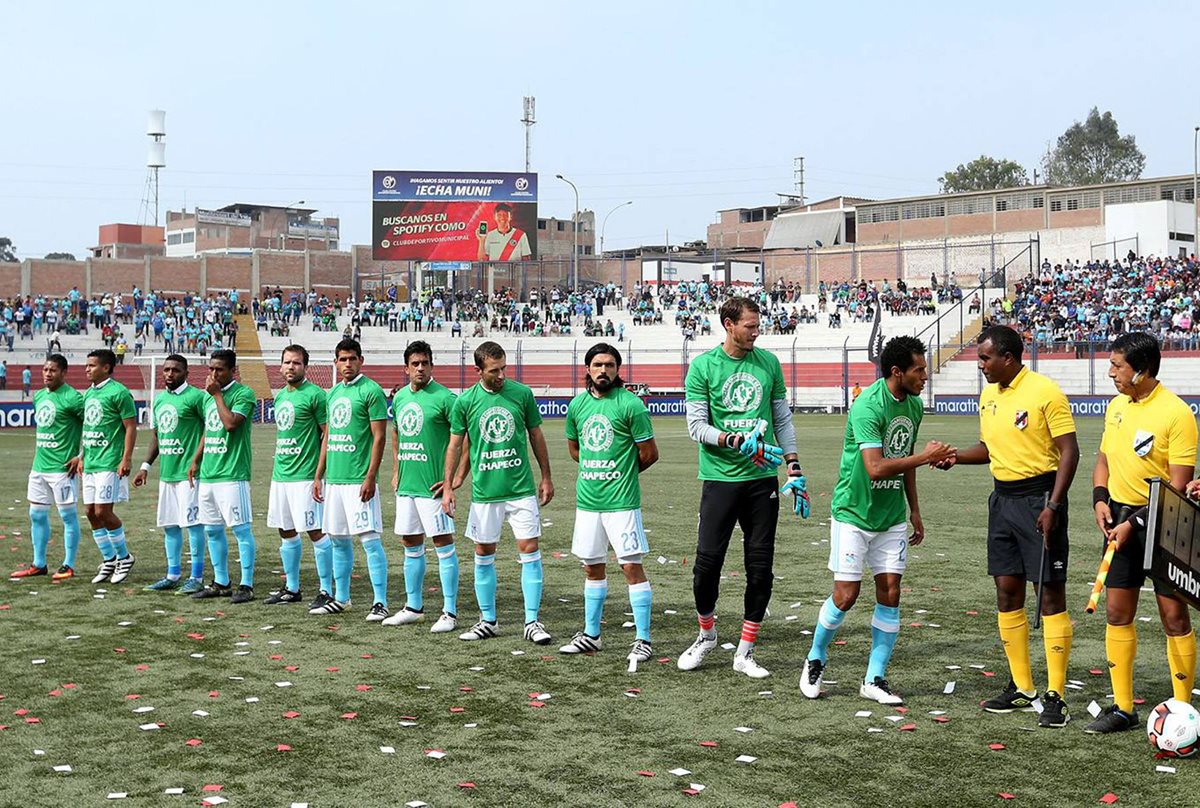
(591,741)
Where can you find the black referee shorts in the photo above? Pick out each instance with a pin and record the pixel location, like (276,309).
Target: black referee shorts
(1127,570)
(1014,544)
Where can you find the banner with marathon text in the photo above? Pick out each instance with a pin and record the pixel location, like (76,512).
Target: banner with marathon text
(1081,406)
(453,216)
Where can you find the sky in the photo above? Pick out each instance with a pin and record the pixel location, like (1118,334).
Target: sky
(684,108)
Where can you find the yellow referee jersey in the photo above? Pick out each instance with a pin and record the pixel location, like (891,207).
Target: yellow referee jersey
(1019,423)
(1142,438)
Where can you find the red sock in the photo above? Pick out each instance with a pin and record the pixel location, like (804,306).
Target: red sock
(706,623)
(750,630)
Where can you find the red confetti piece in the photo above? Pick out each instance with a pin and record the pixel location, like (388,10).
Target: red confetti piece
(276,656)
(902,710)
(408,718)
(133,696)
(291,714)
(362,688)
(212,694)
(788,804)
(32,720)
(118,650)
(664,660)
(331,670)
(1139,701)
(1004,795)
(55,693)
(973,613)
(243,636)
(332,628)
(193,742)
(211,787)
(941,719)
(178,619)
(368,656)
(537,704)
(142,667)
(4,607)
(839,642)
(691,792)
(1109,798)
(1096,672)
(3,727)
(645,773)
(21,711)
(282,747)
(349,716)
(67,686)
(458,709)
(195,635)
(995,747)
(634,690)
(291,668)
(467,784)
(709,744)
(219,614)
(908,727)
(987,673)
(466,689)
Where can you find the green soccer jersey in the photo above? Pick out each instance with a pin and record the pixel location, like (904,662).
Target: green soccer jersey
(228,455)
(352,408)
(59,418)
(422,420)
(738,393)
(877,420)
(105,406)
(179,421)
(299,416)
(608,430)
(497,426)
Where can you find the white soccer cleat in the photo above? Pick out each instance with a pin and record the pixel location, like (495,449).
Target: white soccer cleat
(445,624)
(536,633)
(105,571)
(405,617)
(581,644)
(640,651)
(879,690)
(694,656)
(480,631)
(378,613)
(812,677)
(745,663)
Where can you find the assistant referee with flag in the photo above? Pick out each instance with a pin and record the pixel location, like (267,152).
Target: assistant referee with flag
(1027,436)
(1148,432)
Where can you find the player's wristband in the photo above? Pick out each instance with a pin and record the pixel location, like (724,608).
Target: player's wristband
(1099,494)
(146,467)
(794,469)
(1054,506)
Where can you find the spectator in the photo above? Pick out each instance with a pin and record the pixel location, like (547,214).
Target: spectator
(26,382)
(4,375)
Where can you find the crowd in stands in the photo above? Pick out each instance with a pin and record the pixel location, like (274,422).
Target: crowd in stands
(1082,306)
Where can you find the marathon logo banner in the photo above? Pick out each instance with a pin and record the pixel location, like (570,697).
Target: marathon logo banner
(1081,406)
(1173,542)
(453,216)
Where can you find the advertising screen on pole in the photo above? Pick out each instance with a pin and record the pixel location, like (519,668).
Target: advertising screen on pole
(453,216)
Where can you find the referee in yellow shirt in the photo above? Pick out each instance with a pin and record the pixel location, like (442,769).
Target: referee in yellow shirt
(1027,436)
(1148,432)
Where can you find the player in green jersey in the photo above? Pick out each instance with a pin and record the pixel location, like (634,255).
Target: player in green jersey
(609,435)
(300,410)
(497,420)
(222,465)
(109,433)
(178,417)
(420,435)
(736,398)
(58,414)
(346,479)
(878,474)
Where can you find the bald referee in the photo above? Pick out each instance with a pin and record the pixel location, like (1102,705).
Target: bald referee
(736,403)
(1027,436)
(1148,432)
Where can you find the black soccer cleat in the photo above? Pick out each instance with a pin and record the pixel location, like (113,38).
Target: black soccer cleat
(243,594)
(1112,719)
(213,590)
(1011,700)
(283,596)
(1054,711)
(319,602)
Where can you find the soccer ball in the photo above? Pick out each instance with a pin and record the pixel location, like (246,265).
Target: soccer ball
(1174,729)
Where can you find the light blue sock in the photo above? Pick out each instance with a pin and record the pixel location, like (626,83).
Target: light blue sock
(885,628)
(39,531)
(218,553)
(70,518)
(343,564)
(448,572)
(377,568)
(117,539)
(641,599)
(196,544)
(100,536)
(289,554)
(828,622)
(594,595)
(485,586)
(247,550)
(323,558)
(531,584)
(414,577)
(173,544)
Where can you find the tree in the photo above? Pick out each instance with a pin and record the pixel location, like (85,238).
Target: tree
(983,174)
(1093,152)
(60,256)
(8,253)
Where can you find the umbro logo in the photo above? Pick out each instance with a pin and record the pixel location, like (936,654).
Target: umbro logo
(1181,676)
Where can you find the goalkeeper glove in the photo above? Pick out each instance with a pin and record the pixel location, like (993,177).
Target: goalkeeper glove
(753,445)
(798,487)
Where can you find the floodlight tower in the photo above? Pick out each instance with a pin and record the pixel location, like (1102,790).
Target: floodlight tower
(156,128)
(529,120)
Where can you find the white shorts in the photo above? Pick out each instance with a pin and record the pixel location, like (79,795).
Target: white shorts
(291,507)
(594,532)
(851,548)
(345,514)
(178,504)
(225,503)
(104,488)
(421,516)
(486,518)
(48,486)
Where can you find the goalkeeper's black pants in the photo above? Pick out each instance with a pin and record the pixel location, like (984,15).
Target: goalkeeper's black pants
(753,505)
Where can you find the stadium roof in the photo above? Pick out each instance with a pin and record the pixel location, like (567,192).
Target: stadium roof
(1024,188)
(246,207)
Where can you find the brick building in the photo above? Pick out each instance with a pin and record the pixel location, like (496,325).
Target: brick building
(555,236)
(242,227)
(128,241)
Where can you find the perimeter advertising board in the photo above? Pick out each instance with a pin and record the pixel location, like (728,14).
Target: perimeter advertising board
(453,216)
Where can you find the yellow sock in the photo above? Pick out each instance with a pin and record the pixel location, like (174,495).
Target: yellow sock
(1120,643)
(1014,633)
(1056,635)
(1181,654)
